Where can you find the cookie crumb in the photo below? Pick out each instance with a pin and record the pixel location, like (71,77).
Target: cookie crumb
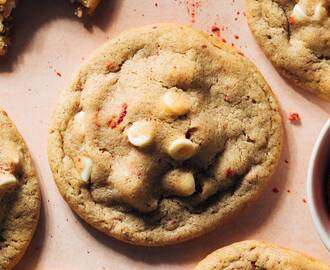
(58,73)
(304,200)
(275,190)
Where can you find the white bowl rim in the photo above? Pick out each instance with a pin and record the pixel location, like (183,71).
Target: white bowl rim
(310,187)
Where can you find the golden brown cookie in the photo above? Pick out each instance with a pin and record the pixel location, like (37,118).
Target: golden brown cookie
(164,134)
(6,7)
(19,195)
(257,255)
(295,35)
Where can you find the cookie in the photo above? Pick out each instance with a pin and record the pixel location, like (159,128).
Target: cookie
(19,195)
(252,255)
(6,7)
(164,134)
(85,5)
(295,36)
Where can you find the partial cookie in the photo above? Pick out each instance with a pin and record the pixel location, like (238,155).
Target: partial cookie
(295,35)
(6,7)
(257,255)
(85,5)
(19,195)
(164,134)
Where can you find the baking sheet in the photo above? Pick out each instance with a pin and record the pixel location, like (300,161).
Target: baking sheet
(49,45)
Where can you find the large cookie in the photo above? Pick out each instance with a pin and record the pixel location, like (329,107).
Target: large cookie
(295,35)
(256,255)
(19,195)
(164,134)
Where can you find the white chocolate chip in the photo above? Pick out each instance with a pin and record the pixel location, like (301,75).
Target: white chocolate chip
(298,13)
(79,120)
(7,181)
(141,133)
(182,149)
(84,165)
(319,12)
(176,103)
(179,182)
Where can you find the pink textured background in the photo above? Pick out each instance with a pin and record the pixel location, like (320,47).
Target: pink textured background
(50,39)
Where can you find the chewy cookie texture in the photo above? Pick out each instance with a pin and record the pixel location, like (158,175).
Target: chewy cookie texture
(295,35)
(164,134)
(19,195)
(257,255)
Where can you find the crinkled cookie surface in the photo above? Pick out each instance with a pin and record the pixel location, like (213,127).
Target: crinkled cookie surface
(295,35)
(19,195)
(257,255)
(164,134)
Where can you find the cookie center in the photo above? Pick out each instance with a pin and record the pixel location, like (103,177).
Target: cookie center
(161,127)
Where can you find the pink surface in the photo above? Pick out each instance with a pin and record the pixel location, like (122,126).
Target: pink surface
(49,40)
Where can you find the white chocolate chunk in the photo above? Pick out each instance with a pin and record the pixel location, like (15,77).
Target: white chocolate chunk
(84,166)
(7,181)
(179,182)
(176,103)
(298,13)
(182,149)
(141,133)
(79,120)
(319,12)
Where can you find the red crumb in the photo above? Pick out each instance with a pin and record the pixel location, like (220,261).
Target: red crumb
(236,36)
(216,30)
(304,200)
(192,8)
(286,161)
(116,120)
(58,73)
(238,13)
(111,67)
(292,20)
(294,117)
(275,190)
(288,191)
(230,172)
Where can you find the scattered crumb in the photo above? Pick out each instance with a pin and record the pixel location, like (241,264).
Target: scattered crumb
(275,190)
(294,117)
